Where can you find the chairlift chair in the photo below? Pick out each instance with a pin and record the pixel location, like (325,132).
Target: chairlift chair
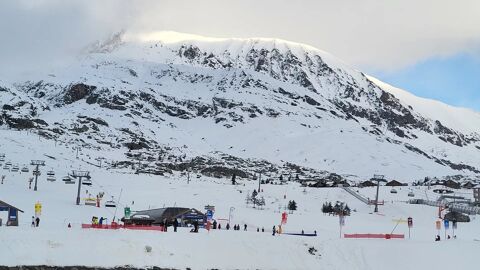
(90,201)
(111,203)
(51,179)
(25,169)
(15,168)
(87,182)
(8,163)
(50,173)
(68,180)
(394,191)
(411,194)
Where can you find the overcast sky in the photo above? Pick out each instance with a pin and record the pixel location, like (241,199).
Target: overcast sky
(381,37)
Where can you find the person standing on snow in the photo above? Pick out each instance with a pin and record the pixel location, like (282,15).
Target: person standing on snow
(245,227)
(175,225)
(37,222)
(273,230)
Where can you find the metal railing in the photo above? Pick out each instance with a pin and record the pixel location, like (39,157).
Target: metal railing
(357,195)
(462,208)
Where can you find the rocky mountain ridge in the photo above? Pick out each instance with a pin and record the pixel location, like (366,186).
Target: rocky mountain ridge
(251,99)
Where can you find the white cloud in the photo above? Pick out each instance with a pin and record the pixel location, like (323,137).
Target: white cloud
(372,34)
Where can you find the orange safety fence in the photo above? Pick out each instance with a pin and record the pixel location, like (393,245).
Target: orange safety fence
(374,236)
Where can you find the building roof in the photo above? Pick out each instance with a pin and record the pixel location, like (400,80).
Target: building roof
(167,213)
(4,204)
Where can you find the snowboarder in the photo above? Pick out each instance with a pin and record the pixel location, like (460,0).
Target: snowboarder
(37,222)
(175,225)
(101,221)
(273,230)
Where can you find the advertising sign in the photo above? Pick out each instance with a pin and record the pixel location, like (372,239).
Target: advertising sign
(38,209)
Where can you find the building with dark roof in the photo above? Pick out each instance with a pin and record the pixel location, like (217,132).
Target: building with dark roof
(12,213)
(160,215)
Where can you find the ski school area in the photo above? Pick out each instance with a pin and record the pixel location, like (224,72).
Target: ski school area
(204,223)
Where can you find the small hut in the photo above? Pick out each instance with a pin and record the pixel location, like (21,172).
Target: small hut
(452,184)
(367,183)
(395,183)
(12,213)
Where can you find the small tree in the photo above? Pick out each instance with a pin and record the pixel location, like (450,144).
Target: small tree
(292,205)
(260,202)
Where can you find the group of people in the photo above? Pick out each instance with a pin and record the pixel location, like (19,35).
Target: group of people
(35,221)
(96,221)
(437,238)
(173,222)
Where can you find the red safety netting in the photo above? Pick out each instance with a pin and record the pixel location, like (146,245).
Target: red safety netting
(119,226)
(374,236)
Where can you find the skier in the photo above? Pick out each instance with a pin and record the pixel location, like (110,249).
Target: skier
(245,227)
(37,222)
(263,229)
(274,230)
(69,225)
(219,226)
(175,225)
(258,229)
(228,226)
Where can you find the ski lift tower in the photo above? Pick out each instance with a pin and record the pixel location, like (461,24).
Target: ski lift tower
(36,172)
(80,175)
(378,178)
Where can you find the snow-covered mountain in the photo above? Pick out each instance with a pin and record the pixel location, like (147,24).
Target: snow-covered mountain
(239,104)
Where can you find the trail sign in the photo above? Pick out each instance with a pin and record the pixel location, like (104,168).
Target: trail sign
(209,214)
(127,212)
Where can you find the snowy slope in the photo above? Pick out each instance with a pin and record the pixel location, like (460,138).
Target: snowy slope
(254,99)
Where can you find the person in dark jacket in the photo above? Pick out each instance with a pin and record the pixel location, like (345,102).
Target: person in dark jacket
(37,222)
(175,225)
(273,230)
(228,226)
(245,227)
